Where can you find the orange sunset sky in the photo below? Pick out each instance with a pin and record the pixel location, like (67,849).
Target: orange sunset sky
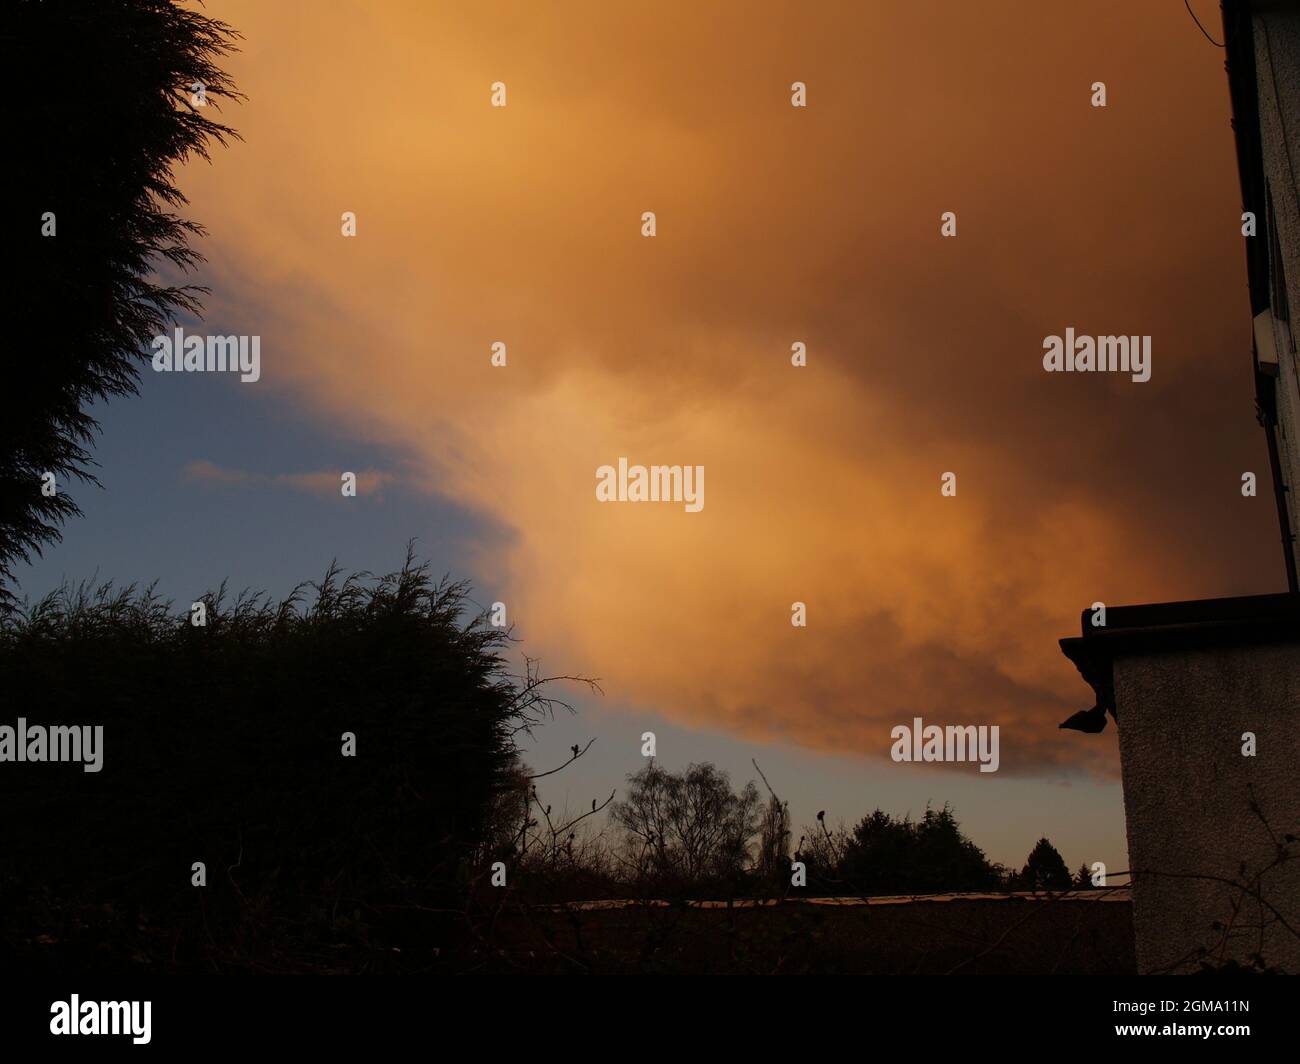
(775,224)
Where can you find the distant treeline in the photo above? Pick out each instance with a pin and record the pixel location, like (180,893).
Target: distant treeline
(689,833)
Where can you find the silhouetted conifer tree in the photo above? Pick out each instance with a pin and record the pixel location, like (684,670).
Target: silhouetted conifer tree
(103,107)
(1045,869)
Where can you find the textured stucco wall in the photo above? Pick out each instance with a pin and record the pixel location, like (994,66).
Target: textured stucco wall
(1187,793)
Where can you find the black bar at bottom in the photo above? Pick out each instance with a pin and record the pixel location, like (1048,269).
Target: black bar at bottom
(380,1015)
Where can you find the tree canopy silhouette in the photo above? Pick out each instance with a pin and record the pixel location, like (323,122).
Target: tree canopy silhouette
(688,827)
(109,111)
(1045,869)
(926,856)
(888,855)
(226,743)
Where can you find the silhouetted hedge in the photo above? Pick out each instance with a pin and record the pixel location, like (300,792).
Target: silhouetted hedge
(222,744)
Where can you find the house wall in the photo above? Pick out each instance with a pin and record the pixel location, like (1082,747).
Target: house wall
(1187,794)
(1277,74)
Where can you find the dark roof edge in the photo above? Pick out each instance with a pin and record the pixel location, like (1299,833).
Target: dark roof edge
(1162,627)
(1192,613)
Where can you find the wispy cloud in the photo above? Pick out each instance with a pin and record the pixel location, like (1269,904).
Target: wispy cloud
(327,484)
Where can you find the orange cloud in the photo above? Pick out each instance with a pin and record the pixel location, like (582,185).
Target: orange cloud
(775,225)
